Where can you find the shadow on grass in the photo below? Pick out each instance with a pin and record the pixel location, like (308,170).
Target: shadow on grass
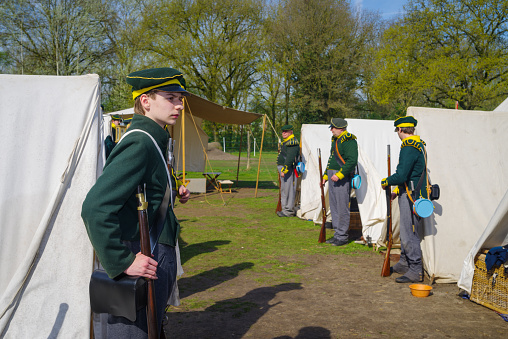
(203,281)
(310,332)
(189,251)
(230,318)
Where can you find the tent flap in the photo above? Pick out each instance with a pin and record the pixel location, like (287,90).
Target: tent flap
(44,247)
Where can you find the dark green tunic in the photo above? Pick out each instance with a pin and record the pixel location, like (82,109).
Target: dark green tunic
(110,208)
(288,152)
(411,165)
(347,146)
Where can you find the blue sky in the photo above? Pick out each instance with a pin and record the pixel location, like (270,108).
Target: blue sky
(387,8)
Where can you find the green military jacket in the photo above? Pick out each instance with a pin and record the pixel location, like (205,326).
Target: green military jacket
(110,208)
(411,166)
(289,151)
(347,146)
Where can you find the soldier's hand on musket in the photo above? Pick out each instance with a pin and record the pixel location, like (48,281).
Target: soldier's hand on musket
(384,184)
(184,194)
(395,192)
(142,266)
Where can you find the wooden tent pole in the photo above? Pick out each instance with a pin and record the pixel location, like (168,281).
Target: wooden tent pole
(260,152)
(239,153)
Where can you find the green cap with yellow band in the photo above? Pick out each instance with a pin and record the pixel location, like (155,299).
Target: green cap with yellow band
(164,79)
(338,123)
(408,121)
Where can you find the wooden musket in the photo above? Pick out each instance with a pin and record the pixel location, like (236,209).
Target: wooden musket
(151,312)
(322,233)
(385,271)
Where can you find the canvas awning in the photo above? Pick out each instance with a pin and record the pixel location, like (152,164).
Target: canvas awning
(211,111)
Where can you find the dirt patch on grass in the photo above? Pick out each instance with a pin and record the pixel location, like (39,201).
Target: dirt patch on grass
(338,296)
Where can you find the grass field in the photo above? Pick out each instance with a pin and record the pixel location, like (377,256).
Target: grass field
(238,233)
(246,177)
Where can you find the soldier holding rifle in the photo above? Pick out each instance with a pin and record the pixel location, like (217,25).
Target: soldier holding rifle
(110,208)
(341,165)
(410,171)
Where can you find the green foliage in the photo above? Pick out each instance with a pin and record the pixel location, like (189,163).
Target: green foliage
(445,51)
(324,45)
(298,61)
(214,43)
(130,53)
(59,37)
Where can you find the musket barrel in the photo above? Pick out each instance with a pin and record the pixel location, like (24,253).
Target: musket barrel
(151,312)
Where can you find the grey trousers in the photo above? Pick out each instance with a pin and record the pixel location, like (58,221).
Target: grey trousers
(410,250)
(287,191)
(338,195)
(119,327)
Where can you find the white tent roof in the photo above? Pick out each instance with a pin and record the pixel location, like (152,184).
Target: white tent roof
(503,107)
(50,153)
(467,157)
(373,138)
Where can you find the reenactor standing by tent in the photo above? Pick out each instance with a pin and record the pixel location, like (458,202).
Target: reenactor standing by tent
(286,165)
(410,176)
(110,210)
(339,170)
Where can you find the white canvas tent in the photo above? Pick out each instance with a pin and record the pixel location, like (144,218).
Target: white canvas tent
(467,157)
(49,156)
(373,138)
(503,107)
(495,234)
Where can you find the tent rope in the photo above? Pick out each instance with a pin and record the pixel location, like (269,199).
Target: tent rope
(206,156)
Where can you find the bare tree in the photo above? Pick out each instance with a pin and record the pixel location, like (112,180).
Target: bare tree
(61,37)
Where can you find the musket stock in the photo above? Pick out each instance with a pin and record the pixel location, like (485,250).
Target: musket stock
(151,312)
(322,233)
(385,271)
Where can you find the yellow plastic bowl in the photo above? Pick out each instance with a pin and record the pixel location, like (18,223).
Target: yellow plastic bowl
(420,290)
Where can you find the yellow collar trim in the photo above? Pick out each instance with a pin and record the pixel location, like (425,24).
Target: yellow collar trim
(288,138)
(413,141)
(137,93)
(416,138)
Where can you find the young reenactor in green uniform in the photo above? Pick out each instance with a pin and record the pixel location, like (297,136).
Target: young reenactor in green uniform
(110,208)
(286,163)
(410,170)
(341,165)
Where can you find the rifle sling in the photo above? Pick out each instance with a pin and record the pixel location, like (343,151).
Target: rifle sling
(339,157)
(160,219)
(338,153)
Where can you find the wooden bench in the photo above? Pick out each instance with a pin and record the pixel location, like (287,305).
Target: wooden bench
(225,186)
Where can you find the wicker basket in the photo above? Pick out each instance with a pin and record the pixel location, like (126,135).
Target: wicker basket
(355,222)
(485,291)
